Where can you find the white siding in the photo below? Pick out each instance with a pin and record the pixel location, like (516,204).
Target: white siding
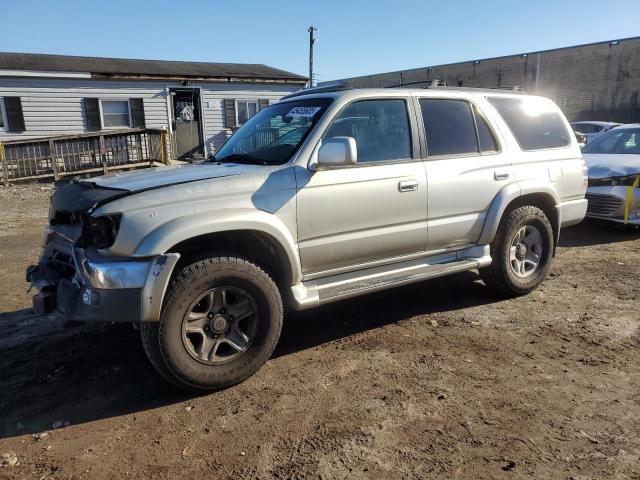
(214,95)
(54,106)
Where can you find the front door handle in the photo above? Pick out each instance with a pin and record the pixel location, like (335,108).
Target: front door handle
(498,175)
(408,185)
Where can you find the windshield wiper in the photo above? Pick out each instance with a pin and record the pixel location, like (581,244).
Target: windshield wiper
(240,158)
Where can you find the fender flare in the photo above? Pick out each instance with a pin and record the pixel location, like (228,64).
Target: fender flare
(508,194)
(158,244)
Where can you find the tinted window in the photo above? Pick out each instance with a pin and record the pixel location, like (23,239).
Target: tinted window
(380,127)
(534,121)
(485,135)
(449,127)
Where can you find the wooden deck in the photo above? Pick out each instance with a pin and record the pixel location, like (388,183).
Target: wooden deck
(58,156)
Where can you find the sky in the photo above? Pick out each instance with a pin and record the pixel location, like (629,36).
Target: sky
(354,37)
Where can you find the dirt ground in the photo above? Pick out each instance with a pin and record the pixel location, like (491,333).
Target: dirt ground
(442,379)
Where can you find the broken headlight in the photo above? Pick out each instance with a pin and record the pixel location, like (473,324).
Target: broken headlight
(101,231)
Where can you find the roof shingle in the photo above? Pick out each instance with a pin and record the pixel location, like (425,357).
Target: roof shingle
(102,66)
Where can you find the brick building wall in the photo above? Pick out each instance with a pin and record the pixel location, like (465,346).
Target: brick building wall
(598,81)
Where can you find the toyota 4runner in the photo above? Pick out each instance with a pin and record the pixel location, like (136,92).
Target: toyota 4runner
(323,196)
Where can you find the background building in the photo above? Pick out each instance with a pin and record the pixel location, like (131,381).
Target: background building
(597,81)
(199,103)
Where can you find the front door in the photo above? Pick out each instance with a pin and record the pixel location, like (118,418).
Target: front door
(466,169)
(374,211)
(187,123)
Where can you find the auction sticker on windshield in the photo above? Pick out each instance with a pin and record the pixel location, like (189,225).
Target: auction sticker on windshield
(303,112)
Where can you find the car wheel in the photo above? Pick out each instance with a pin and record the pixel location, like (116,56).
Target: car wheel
(521,252)
(220,323)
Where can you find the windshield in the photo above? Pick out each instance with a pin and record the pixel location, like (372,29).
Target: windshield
(620,141)
(273,135)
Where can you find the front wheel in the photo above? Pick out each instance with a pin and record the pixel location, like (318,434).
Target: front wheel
(221,321)
(521,251)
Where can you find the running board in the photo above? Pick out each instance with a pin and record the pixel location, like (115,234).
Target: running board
(312,293)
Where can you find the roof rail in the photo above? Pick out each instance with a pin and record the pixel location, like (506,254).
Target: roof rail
(329,87)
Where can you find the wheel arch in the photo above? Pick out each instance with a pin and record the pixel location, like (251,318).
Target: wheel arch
(517,195)
(260,236)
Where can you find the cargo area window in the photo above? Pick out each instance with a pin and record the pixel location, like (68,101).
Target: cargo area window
(380,128)
(534,121)
(455,127)
(115,113)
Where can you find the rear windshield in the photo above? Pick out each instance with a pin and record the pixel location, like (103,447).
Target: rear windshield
(534,121)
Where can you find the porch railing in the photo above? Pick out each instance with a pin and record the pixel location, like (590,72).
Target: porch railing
(84,153)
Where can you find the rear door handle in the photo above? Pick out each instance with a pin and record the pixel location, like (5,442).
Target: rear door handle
(500,175)
(408,185)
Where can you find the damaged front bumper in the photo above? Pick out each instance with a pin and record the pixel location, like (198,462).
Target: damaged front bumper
(84,285)
(607,202)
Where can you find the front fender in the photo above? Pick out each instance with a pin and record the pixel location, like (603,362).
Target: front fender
(161,239)
(508,194)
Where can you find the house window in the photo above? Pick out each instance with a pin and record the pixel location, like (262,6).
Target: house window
(245,109)
(115,113)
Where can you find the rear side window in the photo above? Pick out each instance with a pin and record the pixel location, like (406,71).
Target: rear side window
(455,127)
(535,122)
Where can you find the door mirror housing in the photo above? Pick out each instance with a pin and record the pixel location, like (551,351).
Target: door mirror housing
(337,152)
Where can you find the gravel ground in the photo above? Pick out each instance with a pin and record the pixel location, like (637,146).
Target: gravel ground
(442,379)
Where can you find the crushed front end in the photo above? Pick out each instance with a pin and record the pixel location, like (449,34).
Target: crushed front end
(616,199)
(73,276)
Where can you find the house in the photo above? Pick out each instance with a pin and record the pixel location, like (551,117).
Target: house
(199,103)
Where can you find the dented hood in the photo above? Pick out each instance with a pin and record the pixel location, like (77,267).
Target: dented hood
(603,165)
(149,178)
(79,196)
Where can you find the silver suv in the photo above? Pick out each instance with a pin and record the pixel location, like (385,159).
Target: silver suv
(323,196)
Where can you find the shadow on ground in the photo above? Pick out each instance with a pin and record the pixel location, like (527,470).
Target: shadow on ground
(82,373)
(594,232)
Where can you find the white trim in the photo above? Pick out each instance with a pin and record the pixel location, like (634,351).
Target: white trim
(42,73)
(203,130)
(248,101)
(128,100)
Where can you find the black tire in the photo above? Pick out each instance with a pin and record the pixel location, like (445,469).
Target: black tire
(500,274)
(164,343)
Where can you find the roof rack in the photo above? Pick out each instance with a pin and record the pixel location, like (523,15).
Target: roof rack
(329,87)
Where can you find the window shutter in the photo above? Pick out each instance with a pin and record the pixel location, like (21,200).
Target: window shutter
(263,103)
(229,112)
(15,117)
(92,114)
(137,112)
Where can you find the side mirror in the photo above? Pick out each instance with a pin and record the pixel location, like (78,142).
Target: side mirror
(337,152)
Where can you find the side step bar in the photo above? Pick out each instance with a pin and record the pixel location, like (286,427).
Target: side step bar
(313,293)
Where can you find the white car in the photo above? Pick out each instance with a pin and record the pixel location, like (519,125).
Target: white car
(592,130)
(614,170)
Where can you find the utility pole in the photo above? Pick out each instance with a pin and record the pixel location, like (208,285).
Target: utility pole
(312,40)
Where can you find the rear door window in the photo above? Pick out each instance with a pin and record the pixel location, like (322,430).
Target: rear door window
(534,121)
(455,127)
(488,142)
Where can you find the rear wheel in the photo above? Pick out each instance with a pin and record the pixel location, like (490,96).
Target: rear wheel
(221,321)
(521,251)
